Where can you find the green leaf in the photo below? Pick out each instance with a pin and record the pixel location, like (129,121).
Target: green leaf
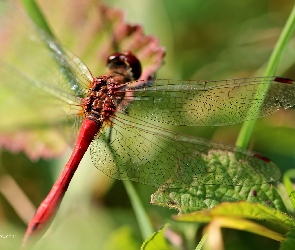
(242,182)
(157,241)
(214,230)
(270,217)
(121,238)
(289,243)
(288,185)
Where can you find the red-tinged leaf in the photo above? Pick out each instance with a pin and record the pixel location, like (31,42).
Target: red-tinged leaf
(33,120)
(96,31)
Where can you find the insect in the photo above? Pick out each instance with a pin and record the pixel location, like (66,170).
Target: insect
(130,113)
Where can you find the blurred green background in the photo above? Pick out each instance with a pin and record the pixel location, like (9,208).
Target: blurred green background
(203,40)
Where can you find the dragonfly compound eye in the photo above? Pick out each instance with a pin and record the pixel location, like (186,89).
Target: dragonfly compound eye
(126,60)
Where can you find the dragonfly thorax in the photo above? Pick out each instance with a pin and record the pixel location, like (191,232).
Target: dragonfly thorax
(103,97)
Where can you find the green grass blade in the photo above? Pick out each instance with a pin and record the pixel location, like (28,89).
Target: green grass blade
(247,128)
(142,217)
(36,15)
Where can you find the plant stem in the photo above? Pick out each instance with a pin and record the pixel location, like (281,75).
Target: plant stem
(36,15)
(142,218)
(288,30)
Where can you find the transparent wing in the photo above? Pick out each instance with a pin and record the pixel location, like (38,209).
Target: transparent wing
(53,68)
(208,103)
(41,82)
(143,152)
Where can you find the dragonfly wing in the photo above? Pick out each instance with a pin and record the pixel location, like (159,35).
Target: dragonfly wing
(208,103)
(52,67)
(29,113)
(142,152)
(37,85)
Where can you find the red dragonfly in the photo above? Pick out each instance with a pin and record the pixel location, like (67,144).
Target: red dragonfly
(130,114)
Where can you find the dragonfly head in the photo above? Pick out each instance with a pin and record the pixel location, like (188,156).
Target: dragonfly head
(120,62)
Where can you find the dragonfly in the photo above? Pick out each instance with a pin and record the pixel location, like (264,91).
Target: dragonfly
(131,113)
